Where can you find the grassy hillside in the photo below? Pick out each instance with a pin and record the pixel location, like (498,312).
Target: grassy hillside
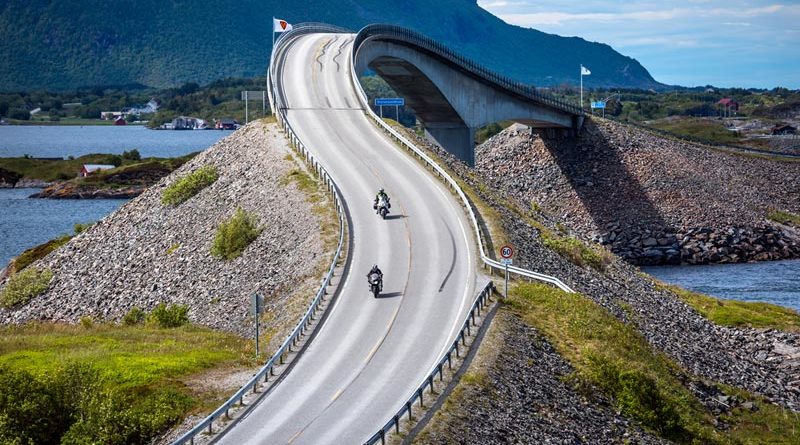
(107,384)
(162,44)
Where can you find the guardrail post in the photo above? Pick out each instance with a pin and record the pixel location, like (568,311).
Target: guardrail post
(397,424)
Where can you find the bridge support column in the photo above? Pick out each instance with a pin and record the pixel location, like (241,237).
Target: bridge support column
(458,140)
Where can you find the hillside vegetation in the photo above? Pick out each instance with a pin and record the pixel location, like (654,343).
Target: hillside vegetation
(162,44)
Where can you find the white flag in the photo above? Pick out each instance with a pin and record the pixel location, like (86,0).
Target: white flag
(585,71)
(279,25)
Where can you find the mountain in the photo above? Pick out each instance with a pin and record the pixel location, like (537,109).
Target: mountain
(66,44)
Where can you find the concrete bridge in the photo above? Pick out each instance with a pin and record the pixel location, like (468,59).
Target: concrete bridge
(453,96)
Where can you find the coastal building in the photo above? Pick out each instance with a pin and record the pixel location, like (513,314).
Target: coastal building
(783,130)
(728,107)
(88,169)
(226,124)
(188,123)
(120,121)
(110,115)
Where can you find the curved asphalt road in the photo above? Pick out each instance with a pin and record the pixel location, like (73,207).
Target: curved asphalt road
(371,353)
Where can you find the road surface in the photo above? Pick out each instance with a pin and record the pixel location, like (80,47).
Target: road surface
(370,354)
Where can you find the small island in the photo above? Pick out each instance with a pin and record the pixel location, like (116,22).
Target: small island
(108,176)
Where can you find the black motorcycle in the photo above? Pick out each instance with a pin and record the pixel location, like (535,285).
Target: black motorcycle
(375,284)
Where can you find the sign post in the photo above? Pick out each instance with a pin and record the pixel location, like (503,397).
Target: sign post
(396,102)
(506,252)
(254,95)
(599,105)
(256,308)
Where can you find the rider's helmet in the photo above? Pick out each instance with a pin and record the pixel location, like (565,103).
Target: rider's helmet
(381,190)
(374,267)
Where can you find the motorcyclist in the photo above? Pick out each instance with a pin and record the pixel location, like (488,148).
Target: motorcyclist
(375,271)
(383,195)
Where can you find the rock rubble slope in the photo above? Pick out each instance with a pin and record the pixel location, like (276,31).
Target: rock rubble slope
(531,405)
(147,253)
(650,199)
(765,362)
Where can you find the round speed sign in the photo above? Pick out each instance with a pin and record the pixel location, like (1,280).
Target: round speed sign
(506,251)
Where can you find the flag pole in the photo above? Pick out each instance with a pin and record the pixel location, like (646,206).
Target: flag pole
(273,33)
(581,87)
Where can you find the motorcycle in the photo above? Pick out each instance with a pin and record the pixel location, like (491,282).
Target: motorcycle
(383,207)
(375,284)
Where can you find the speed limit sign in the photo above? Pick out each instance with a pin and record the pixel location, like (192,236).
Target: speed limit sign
(506,251)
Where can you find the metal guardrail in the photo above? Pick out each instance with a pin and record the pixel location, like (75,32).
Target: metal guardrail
(278,358)
(419,393)
(398,33)
(451,182)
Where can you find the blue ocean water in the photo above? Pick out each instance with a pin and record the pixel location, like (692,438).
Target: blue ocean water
(25,222)
(61,141)
(776,282)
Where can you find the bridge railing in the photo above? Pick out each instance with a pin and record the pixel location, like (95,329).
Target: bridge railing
(398,33)
(447,359)
(268,370)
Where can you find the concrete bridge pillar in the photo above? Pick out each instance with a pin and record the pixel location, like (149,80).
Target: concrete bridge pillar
(457,139)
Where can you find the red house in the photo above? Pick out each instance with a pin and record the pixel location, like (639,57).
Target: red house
(120,121)
(729,104)
(88,169)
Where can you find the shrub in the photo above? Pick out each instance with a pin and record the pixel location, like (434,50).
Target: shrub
(638,395)
(23,286)
(171,316)
(189,185)
(132,155)
(72,406)
(235,234)
(87,322)
(29,411)
(134,316)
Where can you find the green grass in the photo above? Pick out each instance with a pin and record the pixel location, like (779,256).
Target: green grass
(710,130)
(189,185)
(29,256)
(575,251)
(23,286)
(235,234)
(787,218)
(739,313)
(66,169)
(104,383)
(642,383)
(615,358)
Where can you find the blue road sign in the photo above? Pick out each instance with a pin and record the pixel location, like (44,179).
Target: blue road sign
(390,101)
(599,104)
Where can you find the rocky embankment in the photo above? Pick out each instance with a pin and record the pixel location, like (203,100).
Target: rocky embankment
(651,200)
(533,404)
(146,253)
(71,190)
(765,362)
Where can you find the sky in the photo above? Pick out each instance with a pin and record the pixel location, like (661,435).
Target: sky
(733,43)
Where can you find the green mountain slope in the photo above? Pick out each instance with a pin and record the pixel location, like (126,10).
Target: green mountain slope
(69,43)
